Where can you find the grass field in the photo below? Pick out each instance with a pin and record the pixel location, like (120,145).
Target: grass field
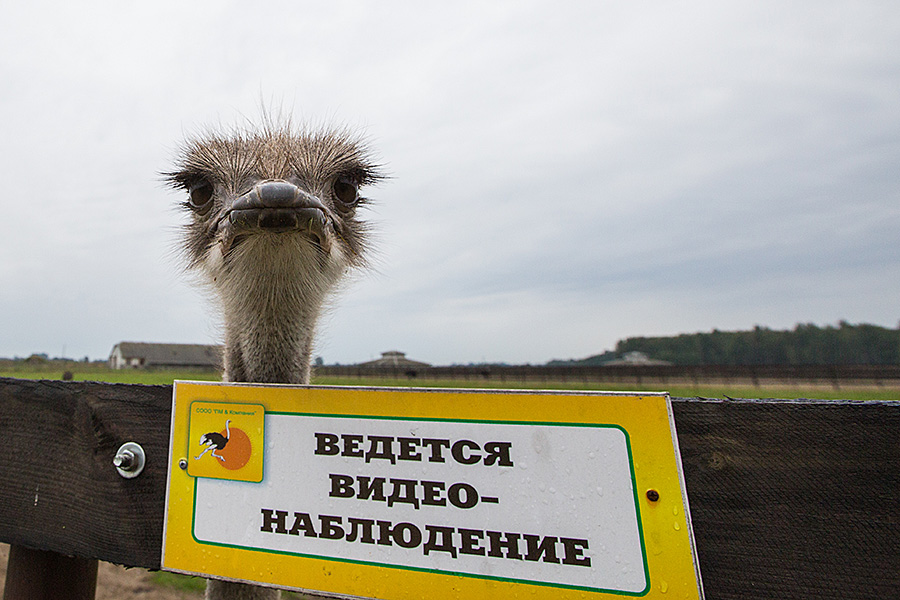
(100,372)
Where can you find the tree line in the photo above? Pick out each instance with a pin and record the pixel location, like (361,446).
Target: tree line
(806,344)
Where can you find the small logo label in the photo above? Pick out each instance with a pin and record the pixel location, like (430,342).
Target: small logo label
(226,441)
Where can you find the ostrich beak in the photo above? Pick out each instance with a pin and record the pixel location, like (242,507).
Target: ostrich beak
(276,206)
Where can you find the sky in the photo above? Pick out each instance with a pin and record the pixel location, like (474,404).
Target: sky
(563,175)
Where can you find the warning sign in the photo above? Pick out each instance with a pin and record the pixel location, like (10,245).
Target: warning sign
(379,492)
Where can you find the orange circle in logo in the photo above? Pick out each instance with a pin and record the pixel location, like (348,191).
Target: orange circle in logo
(237,451)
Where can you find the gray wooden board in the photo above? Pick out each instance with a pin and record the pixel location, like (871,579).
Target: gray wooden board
(788,499)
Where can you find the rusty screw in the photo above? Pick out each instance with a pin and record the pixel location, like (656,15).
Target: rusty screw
(652,495)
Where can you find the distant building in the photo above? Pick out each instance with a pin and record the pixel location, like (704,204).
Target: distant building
(636,358)
(396,360)
(140,355)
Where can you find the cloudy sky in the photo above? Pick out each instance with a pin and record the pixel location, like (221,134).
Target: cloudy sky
(563,174)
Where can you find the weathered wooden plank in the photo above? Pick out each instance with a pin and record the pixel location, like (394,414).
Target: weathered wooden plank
(794,500)
(58,488)
(789,500)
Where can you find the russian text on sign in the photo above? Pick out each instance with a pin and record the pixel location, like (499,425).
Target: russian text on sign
(371,447)
(440,538)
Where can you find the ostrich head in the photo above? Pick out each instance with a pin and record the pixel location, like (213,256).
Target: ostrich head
(273,226)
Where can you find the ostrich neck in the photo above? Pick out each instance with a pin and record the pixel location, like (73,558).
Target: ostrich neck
(270,320)
(268,339)
(272,289)
(269,343)
(227,590)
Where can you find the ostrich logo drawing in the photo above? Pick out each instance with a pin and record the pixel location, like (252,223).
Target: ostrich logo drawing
(215,441)
(232,447)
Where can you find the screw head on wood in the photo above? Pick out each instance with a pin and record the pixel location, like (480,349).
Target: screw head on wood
(124,460)
(129,460)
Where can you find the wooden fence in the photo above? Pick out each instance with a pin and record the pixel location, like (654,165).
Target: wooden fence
(789,499)
(829,375)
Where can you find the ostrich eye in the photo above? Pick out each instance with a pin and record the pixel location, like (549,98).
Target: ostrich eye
(346,192)
(201,194)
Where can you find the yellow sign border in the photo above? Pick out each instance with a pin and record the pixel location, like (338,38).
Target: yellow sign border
(646,418)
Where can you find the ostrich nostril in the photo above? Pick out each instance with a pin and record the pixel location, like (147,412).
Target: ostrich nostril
(277,193)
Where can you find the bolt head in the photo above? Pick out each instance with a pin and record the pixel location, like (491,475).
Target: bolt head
(125,460)
(129,460)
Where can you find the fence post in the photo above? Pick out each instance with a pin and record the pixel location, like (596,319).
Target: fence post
(43,575)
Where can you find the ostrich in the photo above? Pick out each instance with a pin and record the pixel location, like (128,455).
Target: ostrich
(272,229)
(215,441)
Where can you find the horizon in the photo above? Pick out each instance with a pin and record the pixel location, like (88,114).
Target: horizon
(841,322)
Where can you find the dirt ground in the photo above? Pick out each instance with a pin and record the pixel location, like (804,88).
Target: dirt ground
(118,583)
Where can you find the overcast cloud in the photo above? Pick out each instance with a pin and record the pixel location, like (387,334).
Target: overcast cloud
(563,175)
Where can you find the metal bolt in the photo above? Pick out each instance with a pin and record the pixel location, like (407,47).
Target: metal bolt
(652,495)
(182,464)
(124,460)
(129,460)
